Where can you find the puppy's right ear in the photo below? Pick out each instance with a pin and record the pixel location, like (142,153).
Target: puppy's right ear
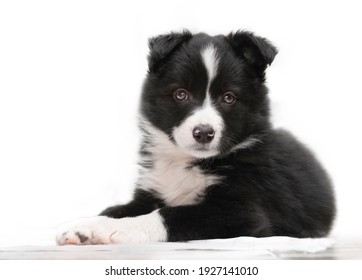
(163,45)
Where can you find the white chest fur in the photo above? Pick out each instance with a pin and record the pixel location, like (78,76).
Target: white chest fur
(171,175)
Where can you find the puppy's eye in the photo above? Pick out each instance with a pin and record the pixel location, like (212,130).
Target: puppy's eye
(229,98)
(181,95)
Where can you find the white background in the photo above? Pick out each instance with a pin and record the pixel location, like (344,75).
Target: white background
(71,74)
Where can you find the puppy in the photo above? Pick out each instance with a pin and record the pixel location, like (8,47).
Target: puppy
(211,165)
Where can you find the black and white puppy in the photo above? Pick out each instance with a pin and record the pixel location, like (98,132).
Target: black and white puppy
(211,164)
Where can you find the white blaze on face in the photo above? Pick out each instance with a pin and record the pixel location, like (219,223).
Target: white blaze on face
(211,61)
(205,115)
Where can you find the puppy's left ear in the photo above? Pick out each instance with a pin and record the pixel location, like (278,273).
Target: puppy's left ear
(255,50)
(162,46)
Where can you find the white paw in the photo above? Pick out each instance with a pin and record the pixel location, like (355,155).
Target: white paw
(85,231)
(104,230)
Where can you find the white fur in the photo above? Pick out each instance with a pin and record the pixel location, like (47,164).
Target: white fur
(104,230)
(170,176)
(206,115)
(211,60)
(247,143)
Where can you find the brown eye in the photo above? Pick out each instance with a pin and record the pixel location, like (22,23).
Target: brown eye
(181,95)
(229,98)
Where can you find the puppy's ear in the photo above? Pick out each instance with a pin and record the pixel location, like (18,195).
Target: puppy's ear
(256,51)
(163,45)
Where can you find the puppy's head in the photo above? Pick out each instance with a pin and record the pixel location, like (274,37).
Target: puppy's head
(207,94)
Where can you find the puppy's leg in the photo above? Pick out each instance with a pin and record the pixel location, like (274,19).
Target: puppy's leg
(182,223)
(99,230)
(105,230)
(143,202)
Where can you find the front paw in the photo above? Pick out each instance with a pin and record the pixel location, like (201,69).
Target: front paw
(86,231)
(105,230)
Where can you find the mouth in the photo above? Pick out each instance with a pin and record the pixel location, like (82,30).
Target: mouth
(202,151)
(201,147)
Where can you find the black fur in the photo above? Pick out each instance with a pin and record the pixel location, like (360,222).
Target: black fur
(274,187)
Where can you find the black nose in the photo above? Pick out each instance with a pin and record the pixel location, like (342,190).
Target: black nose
(203,133)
